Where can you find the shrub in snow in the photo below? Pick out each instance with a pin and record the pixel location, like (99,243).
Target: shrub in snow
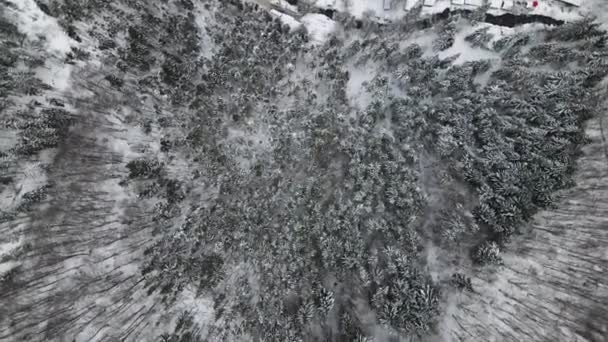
(487,252)
(480,38)
(29,199)
(144,168)
(462,282)
(445,39)
(46,129)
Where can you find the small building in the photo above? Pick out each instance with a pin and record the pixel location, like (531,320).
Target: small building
(387,5)
(507,5)
(576,3)
(496,4)
(429,3)
(457,2)
(409,4)
(477,3)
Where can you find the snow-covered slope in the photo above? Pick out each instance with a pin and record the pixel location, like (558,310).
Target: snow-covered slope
(209,171)
(319,26)
(554,284)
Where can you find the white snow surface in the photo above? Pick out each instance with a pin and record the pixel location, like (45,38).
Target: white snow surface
(6,248)
(56,76)
(8,138)
(476,3)
(355,89)
(36,24)
(598,9)
(319,26)
(334,4)
(6,266)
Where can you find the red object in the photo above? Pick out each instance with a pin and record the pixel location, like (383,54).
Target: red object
(535,3)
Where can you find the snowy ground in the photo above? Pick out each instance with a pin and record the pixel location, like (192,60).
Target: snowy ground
(319,26)
(94,274)
(553,287)
(599,9)
(57,43)
(35,24)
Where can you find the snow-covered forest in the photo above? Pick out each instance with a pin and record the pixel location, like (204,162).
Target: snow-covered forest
(204,170)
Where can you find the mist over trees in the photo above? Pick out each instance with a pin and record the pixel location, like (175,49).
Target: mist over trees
(298,185)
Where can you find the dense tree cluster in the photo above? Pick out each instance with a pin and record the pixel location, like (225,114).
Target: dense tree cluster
(302,211)
(446,31)
(321,207)
(488,252)
(44,129)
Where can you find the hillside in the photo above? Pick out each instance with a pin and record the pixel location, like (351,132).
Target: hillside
(185,170)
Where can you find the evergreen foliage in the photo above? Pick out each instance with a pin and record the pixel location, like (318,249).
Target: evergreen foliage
(311,209)
(462,282)
(324,212)
(445,40)
(480,38)
(487,252)
(144,168)
(29,199)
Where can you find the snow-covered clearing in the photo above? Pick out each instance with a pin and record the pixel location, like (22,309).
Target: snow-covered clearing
(598,9)
(355,88)
(8,138)
(249,144)
(319,26)
(202,18)
(36,24)
(8,247)
(56,76)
